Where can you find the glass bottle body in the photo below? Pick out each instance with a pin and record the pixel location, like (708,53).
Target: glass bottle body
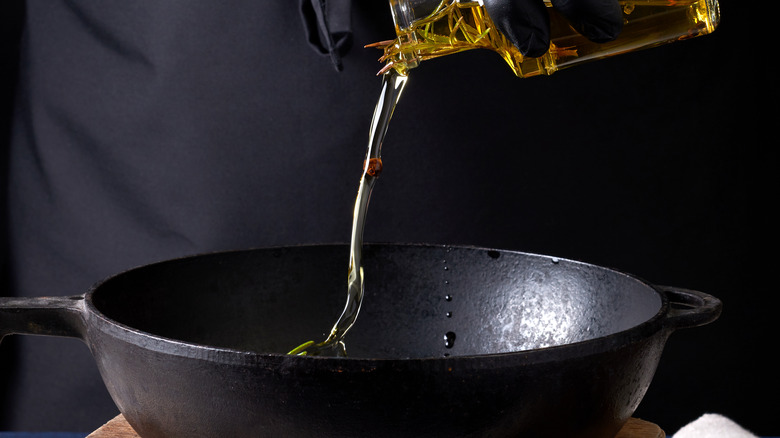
(428,29)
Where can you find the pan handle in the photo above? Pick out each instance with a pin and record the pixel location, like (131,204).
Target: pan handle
(690,308)
(48,316)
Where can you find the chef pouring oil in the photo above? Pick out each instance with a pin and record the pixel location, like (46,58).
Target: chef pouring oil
(428,29)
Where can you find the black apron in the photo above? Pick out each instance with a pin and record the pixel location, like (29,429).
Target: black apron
(156,129)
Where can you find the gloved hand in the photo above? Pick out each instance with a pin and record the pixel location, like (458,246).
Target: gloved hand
(526,23)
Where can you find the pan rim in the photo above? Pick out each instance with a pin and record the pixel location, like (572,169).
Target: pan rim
(171,346)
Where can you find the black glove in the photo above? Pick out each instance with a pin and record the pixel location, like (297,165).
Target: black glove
(526,23)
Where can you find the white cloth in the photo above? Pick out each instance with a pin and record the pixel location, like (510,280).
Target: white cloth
(713,426)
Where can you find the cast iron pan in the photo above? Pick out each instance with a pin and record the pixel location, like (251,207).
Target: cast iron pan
(542,347)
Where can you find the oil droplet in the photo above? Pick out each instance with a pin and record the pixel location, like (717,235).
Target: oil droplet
(448,298)
(449,339)
(554,260)
(449,314)
(446,268)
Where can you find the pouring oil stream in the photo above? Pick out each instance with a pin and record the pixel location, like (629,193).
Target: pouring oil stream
(393,84)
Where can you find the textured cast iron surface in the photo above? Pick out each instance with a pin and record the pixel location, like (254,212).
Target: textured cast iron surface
(543,347)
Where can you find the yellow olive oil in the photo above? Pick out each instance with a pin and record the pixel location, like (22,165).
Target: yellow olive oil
(455,26)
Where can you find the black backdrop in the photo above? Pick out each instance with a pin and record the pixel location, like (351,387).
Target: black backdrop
(655,163)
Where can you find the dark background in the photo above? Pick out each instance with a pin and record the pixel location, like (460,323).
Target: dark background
(656,163)
(10,27)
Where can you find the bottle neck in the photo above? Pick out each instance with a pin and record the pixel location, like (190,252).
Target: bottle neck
(402,14)
(406,12)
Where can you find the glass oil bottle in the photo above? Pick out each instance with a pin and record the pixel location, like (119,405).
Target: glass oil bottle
(428,29)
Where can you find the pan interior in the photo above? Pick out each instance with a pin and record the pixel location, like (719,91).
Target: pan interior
(420,301)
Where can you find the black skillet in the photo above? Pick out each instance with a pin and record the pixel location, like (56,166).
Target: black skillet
(536,346)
